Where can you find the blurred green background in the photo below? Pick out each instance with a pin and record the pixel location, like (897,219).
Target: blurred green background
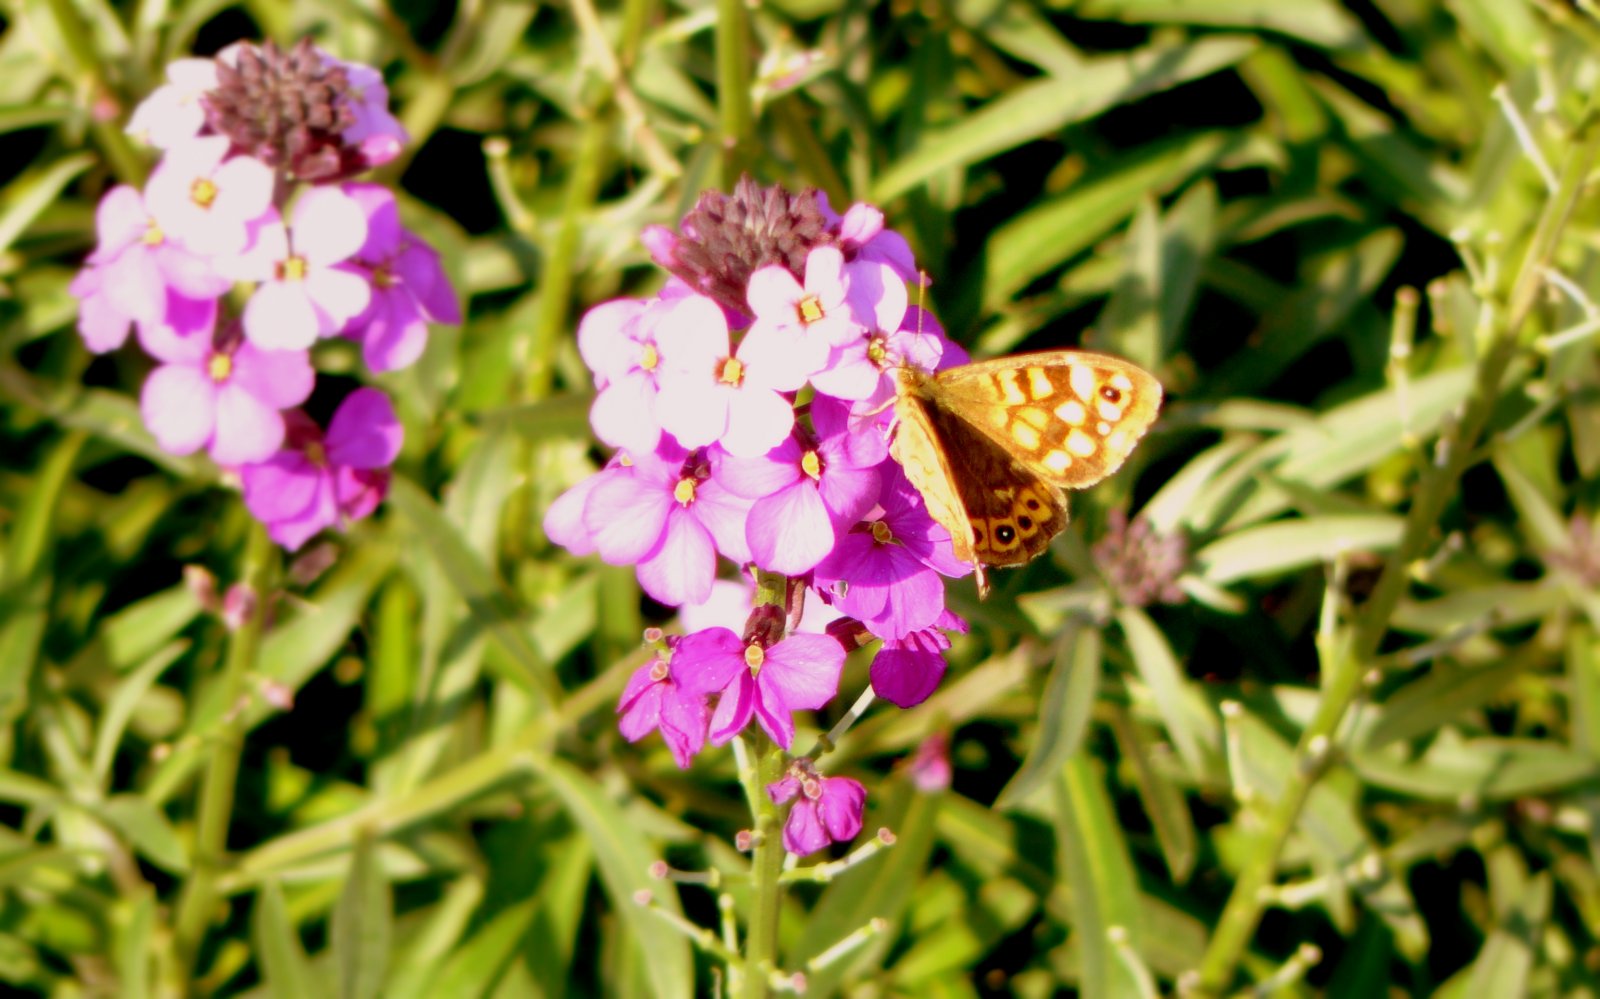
(1359,756)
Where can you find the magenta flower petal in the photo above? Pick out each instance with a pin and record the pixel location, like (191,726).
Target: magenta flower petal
(626,516)
(705,662)
(179,408)
(279,378)
(563,522)
(680,571)
(364,432)
(790,531)
(906,677)
(724,515)
(735,708)
(804,670)
(282,487)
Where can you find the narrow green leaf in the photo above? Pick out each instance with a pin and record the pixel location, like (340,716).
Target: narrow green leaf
(1163,800)
(624,857)
(277,942)
(1130,324)
(1069,693)
(1105,890)
(1289,545)
(363,924)
(122,703)
(26,196)
(1189,729)
(1503,966)
(135,920)
(147,829)
(1315,22)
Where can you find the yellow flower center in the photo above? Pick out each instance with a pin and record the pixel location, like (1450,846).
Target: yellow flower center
(648,358)
(881,533)
(153,236)
(731,373)
(809,309)
(754,656)
(220,367)
(811,464)
(292,269)
(382,278)
(316,454)
(203,192)
(878,351)
(683,492)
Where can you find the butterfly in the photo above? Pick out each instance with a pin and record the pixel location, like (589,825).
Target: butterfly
(993,446)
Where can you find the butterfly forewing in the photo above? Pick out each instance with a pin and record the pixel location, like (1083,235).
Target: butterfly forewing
(991,445)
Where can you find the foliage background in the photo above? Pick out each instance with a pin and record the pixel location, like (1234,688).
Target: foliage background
(1313,219)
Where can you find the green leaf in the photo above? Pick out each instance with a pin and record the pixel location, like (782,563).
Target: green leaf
(624,858)
(26,196)
(1043,106)
(1289,545)
(1316,22)
(1190,726)
(1069,693)
(363,924)
(277,942)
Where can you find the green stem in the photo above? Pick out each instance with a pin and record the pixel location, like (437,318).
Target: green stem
(766,865)
(200,895)
(1347,664)
(733,87)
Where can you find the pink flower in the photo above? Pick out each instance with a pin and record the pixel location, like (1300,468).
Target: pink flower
(618,341)
(376,133)
(908,669)
(767,683)
(891,566)
(205,200)
(863,370)
(818,310)
(320,480)
(653,700)
(826,809)
(709,394)
(408,285)
(807,491)
(173,114)
(668,516)
(302,294)
(930,765)
(226,396)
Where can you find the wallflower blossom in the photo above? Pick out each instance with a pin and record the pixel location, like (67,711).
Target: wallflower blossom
(825,810)
(618,340)
(806,490)
(207,200)
(318,480)
(223,394)
(768,683)
(669,516)
(654,701)
(819,309)
(172,113)
(408,285)
(908,669)
(302,293)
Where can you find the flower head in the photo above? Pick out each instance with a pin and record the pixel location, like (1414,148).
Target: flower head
(653,700)
(318,480)
(907,669)
(207,200)
(768,683)
(825,810)
(1141,565)
(408,285)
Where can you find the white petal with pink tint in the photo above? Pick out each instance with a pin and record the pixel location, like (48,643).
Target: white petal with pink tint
(328,225)
(279,316)
(179,407)
(248,430)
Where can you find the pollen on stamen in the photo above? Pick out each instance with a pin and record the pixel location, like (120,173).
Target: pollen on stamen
(648,358)
(811,464)
(881,532)
(659,670)
(316,454)
(683,492)
(878,351)
(809,309)
(293,269)
(203,192)
(219,367)
(731,373)
(153,236)
(382,277)
(754,656)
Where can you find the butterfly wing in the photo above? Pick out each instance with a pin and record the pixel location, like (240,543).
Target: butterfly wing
(1072,416)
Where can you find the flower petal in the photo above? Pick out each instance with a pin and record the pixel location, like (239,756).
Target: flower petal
(179,407)
(364,432)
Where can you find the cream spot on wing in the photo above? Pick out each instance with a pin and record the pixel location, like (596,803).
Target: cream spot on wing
(1121,381)
(1035,416)
(1108,410)
(1072,412)
(1080,443)
(1083,382)
(1057,461)
(1011,387)
(1103,428)
(1118,442)
(999,417)
(1039,383)
(1025,436)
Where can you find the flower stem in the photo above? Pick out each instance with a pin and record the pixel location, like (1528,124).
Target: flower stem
(766,865)
(1347,663)
(198,901)
(733,87)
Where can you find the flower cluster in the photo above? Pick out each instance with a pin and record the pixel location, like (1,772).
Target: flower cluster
(253,188)
(750,402)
